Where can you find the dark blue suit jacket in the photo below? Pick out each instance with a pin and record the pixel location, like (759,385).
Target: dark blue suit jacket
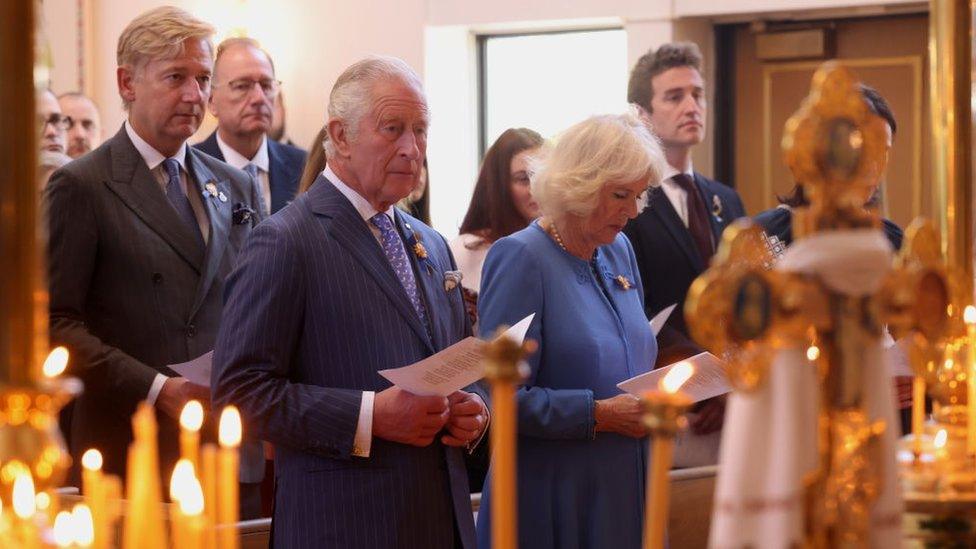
(669,261)
(313,311)
(285,164)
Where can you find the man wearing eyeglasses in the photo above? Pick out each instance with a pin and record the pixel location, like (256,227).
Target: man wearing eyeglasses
(52,122)
(243,97)
(85,127)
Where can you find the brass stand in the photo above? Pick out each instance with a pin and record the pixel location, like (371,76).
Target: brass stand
(28,411)
(505,370)
(664,417)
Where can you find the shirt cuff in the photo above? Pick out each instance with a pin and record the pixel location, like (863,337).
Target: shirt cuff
(363,441)
(155,388)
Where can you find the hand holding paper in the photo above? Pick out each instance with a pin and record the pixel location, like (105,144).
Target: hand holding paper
(451,369)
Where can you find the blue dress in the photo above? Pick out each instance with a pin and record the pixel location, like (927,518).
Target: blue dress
(576,488)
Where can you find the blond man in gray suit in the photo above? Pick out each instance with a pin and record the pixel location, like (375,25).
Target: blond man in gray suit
(143,231)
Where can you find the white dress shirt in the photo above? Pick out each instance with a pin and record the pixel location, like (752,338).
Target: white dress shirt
(677,195)
(363,440)
(261,160)
(154,160)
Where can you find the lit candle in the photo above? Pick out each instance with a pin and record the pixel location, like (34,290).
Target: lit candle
(191,508)
(84,526)
(178,489)
(208,477)
(56,362)
(969,316)
(664,417)
(191,419)
(227,465)
(25,506)
(91,483)
(918,413)
(63,531)
(939,443)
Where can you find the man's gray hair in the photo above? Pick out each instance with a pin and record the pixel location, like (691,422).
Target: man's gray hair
(352,94)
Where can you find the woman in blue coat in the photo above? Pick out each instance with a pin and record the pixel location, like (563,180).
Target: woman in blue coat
(581,443)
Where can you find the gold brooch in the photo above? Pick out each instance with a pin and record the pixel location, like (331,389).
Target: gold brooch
(419,250)
(623,282)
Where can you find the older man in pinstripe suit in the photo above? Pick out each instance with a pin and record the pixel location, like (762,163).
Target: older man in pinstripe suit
(331,289)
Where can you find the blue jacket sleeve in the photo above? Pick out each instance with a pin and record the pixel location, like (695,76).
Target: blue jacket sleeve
(511,289)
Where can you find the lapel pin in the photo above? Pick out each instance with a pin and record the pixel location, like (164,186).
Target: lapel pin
(210,188)
(717,207)
(221,196)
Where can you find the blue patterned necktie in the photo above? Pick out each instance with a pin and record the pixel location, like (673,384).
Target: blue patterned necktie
(178,199)
(393,249)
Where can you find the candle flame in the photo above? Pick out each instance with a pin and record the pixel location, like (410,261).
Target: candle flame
(63,529)
(83,525)
(677,377)
(813,353)
(23,495)
(56,362)
(182,475)
(941,438)
(92,460)
(969,315)
(42,501)
(191,418)
(230,427)
(192,501)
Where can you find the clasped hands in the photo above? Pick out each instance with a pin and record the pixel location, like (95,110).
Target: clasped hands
(399,416)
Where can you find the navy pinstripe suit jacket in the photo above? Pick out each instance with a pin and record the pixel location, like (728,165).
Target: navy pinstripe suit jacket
(313,310)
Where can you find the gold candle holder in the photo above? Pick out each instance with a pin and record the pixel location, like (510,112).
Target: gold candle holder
(505,370)
(664,417)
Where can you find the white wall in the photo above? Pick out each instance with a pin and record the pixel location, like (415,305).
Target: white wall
(313,40)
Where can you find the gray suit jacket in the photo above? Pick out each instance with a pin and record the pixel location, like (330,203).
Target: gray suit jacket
(132,290)
(314,310)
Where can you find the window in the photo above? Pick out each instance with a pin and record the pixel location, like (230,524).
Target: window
(548,82)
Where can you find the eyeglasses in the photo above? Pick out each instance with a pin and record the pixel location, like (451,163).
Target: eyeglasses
(243,86)
(58,120)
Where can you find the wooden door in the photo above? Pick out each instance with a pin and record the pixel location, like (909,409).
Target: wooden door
(888,54)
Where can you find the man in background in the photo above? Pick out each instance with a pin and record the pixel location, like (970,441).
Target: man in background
(243,98)
(53,123)
(675,237)
(85,129)
(143,231)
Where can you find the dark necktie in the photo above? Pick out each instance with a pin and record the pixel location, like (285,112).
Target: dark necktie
(698,223)
(176,196)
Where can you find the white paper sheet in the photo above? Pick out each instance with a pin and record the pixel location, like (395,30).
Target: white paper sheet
(196,371)
(659,319)
(708,380)
(451,369)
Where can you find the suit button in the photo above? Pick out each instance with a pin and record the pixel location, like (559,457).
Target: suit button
(157,278)
(191,331)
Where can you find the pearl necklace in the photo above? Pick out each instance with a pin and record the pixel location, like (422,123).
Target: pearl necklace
(555,234)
